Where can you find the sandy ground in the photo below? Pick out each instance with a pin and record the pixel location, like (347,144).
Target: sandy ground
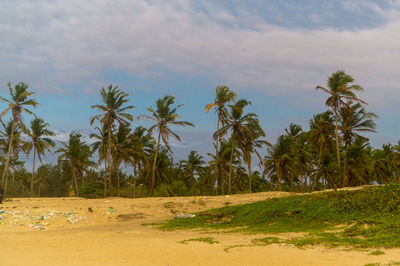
(76,231)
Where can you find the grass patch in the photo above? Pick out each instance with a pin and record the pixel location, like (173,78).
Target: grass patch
(367,218)
(208,240)
(376,253)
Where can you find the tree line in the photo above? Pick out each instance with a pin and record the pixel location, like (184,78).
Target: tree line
(123,160)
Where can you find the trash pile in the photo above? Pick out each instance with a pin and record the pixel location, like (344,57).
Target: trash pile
(37,219)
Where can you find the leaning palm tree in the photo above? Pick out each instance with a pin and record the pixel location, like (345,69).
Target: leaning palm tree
(339,90)
(223,96)
(113,111)
(18,104)
(76,154)
(40,142)
(164,115)
(238,124)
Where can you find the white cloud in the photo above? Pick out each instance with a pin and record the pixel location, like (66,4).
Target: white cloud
(49,43)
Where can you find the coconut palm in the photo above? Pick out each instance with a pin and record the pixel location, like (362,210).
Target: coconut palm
(278,160)
(238,124)
(113,110)
(164,115)
(354,119)
(193,165)
(321,134)
(251,143)
(223,96)
(18,145)
(143,145)
(17,105)
(40,142)
(76,154)
(339,90)
(101,146)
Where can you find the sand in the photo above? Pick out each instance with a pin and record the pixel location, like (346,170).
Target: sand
(76,231)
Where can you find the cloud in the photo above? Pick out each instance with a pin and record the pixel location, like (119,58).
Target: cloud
(54,43)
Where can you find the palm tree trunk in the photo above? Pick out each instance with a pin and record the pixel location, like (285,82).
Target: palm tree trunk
(33,169)
(318,167)
(249,173)
(279,178)
(337,141)
(344,182)
(217,175)
(105,178)
(153,178)
(75,182)
(134,181)
(118,180)
(109,158)
(3,177)
(230,169)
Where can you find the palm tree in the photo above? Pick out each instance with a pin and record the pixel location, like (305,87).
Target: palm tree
(338,92)
(122,150)
(113,111)
(321,133)
(354,118)
(250,143)
(278,159)
(40,142)
(18,104)
(101,146)
(143,144)
(18,145)
(191,165)
(76,154)
(223,96)
(163,116)
(239,125)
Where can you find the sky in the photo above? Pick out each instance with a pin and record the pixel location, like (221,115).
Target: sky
(272,53)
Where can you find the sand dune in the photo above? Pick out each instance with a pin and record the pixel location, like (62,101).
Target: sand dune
(76,231)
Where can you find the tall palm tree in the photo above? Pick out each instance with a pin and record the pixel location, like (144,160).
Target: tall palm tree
(101,146)
(143,144)
(18,145)
(321,133)
(238,124)
(354,119)
(40,142)
(250,145)
(340,90)
(113,110)
(278,159)
(76,154)
(193,165)
(223,96)
(164,115)
(17,104)
(122,150)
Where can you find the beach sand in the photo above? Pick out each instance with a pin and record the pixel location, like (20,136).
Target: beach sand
(76,231)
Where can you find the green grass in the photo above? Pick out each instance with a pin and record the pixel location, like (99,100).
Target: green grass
(208,240)
(376,253)
(365,218)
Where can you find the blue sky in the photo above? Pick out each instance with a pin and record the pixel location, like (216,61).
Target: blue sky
(272,53)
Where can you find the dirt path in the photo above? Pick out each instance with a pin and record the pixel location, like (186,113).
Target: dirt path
(74,231)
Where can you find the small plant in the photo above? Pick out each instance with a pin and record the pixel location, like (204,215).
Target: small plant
(208,240)
(376,253)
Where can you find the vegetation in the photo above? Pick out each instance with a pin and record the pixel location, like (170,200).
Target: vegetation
(361,218)
(333,152)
